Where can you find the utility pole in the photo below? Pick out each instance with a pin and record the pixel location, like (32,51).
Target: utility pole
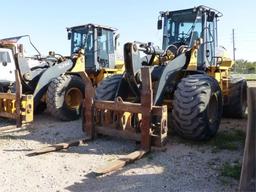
(234,48)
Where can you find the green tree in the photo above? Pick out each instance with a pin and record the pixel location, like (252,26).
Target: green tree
(244,66)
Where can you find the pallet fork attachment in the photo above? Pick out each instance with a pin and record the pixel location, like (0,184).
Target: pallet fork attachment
(16,105)
(114,118)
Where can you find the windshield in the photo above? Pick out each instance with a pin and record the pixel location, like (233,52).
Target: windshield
(183,27)
(82,38)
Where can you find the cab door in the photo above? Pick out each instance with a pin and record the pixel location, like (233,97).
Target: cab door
(106,52)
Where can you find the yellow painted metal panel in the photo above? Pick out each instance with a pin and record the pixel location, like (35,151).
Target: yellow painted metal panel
(8,107)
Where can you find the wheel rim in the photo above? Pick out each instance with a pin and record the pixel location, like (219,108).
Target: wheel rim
(73,98)
(212,111)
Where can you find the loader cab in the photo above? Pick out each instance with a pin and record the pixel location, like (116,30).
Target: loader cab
(183,27)
(98,43)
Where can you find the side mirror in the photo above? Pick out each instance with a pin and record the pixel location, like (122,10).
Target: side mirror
(159,24)
(99,33)
(69,35)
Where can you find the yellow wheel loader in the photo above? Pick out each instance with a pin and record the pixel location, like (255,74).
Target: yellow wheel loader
(211,58)
(54,82)
(93,50)
(188,76)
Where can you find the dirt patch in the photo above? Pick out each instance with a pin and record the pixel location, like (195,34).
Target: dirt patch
(183,166)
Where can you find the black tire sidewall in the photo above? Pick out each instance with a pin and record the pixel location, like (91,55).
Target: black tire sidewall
(199,127)
(237,99)
(243,101)
(59,87)
(215,92)
(75,82)
(108,88)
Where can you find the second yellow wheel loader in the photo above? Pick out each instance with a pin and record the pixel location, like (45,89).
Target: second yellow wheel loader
(187,75)
(93,50)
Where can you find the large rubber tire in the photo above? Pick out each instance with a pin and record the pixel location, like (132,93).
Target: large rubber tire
(236,108)
(107,88)
(197,107)
(56,99)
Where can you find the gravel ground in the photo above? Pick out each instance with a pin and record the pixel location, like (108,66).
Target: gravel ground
(181,166)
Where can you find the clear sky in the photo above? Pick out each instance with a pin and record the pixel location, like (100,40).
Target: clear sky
(46,20)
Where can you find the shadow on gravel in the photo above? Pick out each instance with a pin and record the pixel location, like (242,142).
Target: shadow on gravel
(179,168)
(48,131)
(117,182)
(151,173)
(6,122)
(45,129)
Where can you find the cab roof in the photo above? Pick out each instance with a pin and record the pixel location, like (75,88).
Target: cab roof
(93,26)
(198,8)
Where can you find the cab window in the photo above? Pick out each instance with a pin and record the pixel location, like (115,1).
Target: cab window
(5,57)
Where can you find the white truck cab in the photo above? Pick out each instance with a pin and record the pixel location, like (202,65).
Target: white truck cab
(7,66)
